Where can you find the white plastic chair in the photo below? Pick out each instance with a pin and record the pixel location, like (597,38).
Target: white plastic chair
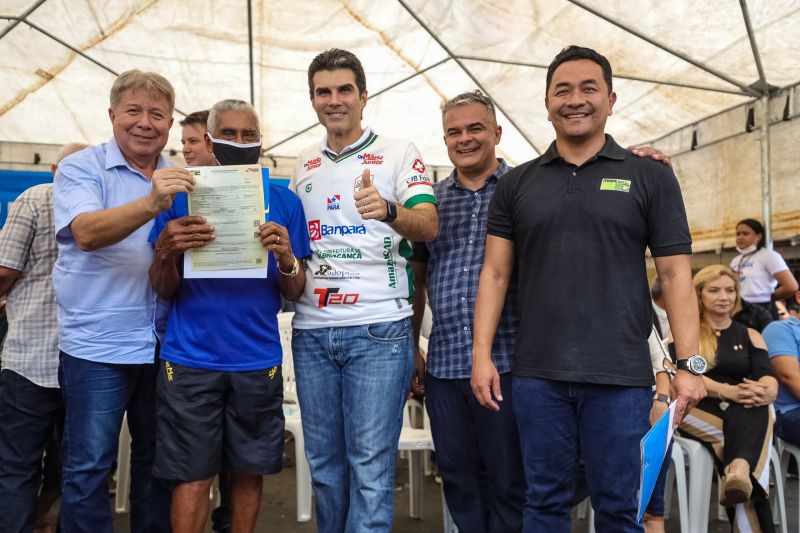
(786,451)
(294,424)
(417,441)
(701,472)
(676,474)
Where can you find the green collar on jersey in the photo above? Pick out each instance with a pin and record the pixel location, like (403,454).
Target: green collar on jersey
(354,150)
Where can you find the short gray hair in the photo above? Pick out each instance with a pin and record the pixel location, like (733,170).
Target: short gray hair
(473,97)
(151,82)
(69,149)
(229,105)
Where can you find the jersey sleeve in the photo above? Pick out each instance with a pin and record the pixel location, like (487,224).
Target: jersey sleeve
(667,225)
(17,234)
(412,185)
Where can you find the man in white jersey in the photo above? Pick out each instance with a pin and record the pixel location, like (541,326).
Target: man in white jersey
(364,197)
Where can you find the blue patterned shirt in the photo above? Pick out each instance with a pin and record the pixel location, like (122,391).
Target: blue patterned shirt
(454,260)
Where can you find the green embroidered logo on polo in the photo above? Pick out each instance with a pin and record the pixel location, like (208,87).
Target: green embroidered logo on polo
(614,184)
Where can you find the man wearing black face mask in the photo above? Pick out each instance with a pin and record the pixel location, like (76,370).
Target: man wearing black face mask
(219,393)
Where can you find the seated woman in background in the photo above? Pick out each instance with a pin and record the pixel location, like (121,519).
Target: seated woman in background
(763,274)
(735,420)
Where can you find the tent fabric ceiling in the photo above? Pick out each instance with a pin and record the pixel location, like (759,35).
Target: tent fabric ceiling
(675,61)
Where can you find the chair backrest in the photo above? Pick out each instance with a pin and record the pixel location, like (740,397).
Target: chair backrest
(289,383)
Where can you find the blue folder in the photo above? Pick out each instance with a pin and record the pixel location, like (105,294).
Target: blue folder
(654,447)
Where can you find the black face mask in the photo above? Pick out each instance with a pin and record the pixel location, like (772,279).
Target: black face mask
(231,153)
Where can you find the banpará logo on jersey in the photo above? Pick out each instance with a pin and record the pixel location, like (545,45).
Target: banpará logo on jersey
(311,164)
(333,202)
(309,187)
(339,253)
(371,159)
(389,258)
(418,179)
(317,230)
(419,166)
(326,271)
(332,296)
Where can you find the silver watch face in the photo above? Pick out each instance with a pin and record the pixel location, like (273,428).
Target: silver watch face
(697,364)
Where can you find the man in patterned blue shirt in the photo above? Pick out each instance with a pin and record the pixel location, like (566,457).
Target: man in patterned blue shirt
(477,450)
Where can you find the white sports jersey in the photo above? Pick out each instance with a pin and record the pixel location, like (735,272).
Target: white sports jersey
(358,271)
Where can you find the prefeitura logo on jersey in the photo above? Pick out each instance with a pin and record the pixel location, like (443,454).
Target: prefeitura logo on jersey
(371,159)
(311,164)
(317,230)
(339,253)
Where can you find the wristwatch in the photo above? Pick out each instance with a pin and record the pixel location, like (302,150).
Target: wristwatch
(695,364)
(391,212)
(661,398)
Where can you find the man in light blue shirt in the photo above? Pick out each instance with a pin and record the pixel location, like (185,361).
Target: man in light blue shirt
(105,198)
(783,342)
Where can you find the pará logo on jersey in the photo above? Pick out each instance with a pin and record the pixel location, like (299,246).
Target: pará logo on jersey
(333,202)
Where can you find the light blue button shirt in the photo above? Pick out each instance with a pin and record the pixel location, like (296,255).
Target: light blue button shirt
(106,307)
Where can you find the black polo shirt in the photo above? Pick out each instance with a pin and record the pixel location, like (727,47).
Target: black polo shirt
(580,235)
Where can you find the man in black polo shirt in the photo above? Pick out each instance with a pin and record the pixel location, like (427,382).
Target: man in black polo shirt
(576,222)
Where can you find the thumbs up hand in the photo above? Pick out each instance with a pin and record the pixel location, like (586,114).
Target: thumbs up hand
(369,202)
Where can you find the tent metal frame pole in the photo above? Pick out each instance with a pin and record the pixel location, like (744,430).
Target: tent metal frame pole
(375,95)
(616,75)
(721,75)
(766,178)
(64,44)
(469,73)
(73,49)
(250,50)
(22,18)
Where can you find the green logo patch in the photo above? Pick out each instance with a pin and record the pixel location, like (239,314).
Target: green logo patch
(615,184)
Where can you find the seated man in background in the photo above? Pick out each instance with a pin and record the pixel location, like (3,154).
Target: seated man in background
(220,392)
(783,344)
(31,407)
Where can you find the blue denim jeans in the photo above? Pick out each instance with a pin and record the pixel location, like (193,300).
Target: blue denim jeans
(558,422)
(29,416)
(478,455)
(96,396)
(352,384)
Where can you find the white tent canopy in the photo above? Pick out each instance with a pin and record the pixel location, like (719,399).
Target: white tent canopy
(676,63)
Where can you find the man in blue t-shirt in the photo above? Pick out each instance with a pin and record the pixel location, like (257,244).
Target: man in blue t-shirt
(783,342)
(220,391)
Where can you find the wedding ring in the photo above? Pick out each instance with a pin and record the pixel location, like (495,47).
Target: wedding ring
(278,240)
